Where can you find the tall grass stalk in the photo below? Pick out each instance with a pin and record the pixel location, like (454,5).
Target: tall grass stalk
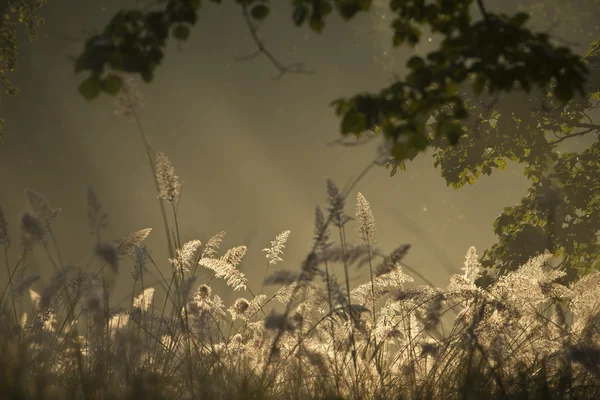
(526,336)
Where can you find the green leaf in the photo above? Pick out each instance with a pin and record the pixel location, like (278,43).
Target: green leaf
(349,10)
(460,112)
(181,32)
(90,88)
(402,151)
(300,15)
(112,84)
(519,19)
(260,12)
(415,62)
(316,23)
(501,163)
(353,122)
(419,141)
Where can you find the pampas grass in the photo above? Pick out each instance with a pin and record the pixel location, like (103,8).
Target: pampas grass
(525,336)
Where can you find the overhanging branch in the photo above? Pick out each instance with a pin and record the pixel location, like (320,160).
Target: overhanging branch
(572,135)
(295,68)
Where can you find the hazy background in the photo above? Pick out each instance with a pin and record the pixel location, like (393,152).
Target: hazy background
(251,150)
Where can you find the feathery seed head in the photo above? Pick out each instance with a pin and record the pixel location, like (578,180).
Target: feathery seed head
(234,255)
(204,292)
(241,305)
(239,308)
(97,218)
(127,246)
(108,254)
(118,322)
(23,321)
(144,300)
(168,182)
(35,298)
(237,339)
(310,266)
(25,284)
(48,320)
(321,231)
(298,319)
(210,250)
(391,262)
(365,221)
(139,266)
(92,299)
(185,255)
(276,250)
(129,101)
(281,277)
(275,321)
(471,268)
(336,205)
(332,190)
(41,209)
(32,230)
(234,277)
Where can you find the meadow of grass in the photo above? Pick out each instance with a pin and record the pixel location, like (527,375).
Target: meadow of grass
(525,336)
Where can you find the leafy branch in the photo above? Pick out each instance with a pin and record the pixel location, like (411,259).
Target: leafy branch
(496,53)
(27,13)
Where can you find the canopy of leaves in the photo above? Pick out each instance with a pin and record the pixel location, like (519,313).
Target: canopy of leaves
(561,211)
(497,49)
(441,103)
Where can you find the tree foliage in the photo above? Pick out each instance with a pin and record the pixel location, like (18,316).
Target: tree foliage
(27,13)
(561,211)
(450,100)
(498,50)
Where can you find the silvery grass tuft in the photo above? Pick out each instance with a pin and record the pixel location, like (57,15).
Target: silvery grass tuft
(168,182)
(129,101)
(185,255)
(274,253)
(525,336)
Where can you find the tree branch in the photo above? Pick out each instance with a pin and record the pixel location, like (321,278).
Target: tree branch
(483,11)
(582,133)
(295,68)
(368,136)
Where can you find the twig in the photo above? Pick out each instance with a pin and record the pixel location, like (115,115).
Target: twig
(367,137)
(582,133)
(483,11)
(295,68)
